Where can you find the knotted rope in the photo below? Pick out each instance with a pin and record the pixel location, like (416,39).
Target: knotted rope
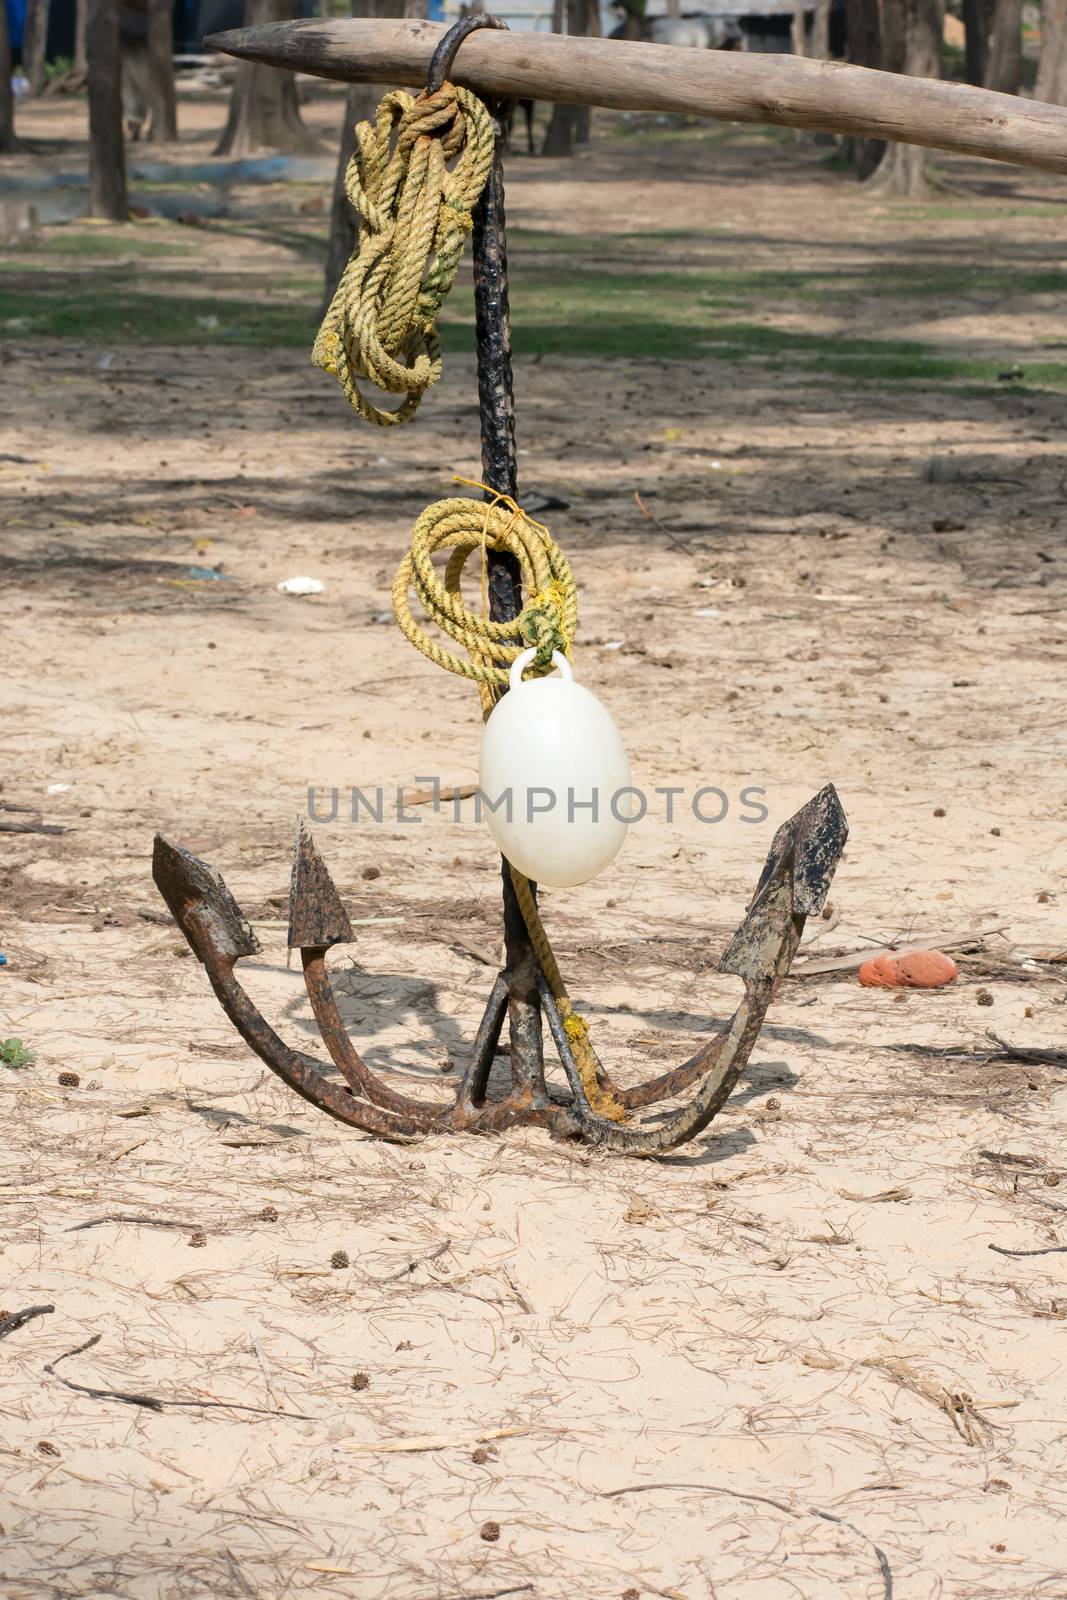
(548,622)
(415,214)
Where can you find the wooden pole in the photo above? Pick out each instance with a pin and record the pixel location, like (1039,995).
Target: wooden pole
(729,86)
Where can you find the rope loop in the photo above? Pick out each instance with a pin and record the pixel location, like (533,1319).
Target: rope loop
(548,621)
(415,211)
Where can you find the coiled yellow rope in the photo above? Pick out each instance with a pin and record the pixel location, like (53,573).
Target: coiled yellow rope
(415,214)
(548,622)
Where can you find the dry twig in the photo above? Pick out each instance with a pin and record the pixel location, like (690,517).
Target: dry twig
(18,1319)
(151,1402)
(779,1505)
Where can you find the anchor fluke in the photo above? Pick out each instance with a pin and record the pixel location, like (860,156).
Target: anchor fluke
(200,903)
(803,856)
(317,918)
(815,837)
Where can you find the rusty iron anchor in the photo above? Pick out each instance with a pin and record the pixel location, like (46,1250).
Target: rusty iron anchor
(794,884)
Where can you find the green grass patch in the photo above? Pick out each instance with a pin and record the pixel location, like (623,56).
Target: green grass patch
(102,243)
(91,313)
(13,1053)
(594,297)
(650,130)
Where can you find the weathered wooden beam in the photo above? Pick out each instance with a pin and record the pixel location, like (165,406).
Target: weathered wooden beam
(727,85)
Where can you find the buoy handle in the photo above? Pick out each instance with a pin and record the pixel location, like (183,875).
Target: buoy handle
(521,662)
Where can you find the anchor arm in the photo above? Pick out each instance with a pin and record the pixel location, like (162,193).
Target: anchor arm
(795,880)
(219,936)
(317,921)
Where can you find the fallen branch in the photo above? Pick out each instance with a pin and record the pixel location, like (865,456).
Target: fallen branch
(152,1402)
(30,827)
(854,959)
(430,1441)
(662,526)
(1050,1250)
(418,1261)
(497,1594)
(140,1222)
(422,797)
(982,1057)
(1017,1052)
(779,1505)
(959,1408)
(126,1396)
(19,1319)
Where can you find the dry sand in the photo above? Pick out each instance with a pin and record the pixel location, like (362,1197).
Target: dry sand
(792,1345)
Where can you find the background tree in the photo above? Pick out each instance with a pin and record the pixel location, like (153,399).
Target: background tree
(8,142)
(569,125)
(107,155)
(912,32)
(634,20)
(35,44)
(977,16)
(264,110)
(863,23)
(81,20)
(162,96)
(1051,82)
(360,105)
(820,31)
(994,43)
(1004,65)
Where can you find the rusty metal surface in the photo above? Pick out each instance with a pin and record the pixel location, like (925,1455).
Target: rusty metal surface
(211,921)
(443,57)
(316,915)
(345,1056)
(800,866)
(808,846)
(200,902)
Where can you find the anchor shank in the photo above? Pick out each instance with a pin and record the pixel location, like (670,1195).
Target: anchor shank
(497,410)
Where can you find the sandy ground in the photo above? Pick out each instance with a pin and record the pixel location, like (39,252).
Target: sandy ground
(798,1359)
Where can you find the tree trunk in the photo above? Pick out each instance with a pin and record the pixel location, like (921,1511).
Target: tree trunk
(915,49)
(864,25)
(633,23)
(35,44)
(162,99)
(1051,82)
(8,142)
(264,111)
(81,18)
(360,105)
(1004,65)
(107,156)
(977,18)
(567,124)
(820,31)
(588,26)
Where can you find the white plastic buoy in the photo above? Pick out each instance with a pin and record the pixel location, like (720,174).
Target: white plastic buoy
(554,778)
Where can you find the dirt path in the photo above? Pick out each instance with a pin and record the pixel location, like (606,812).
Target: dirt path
(862,582)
